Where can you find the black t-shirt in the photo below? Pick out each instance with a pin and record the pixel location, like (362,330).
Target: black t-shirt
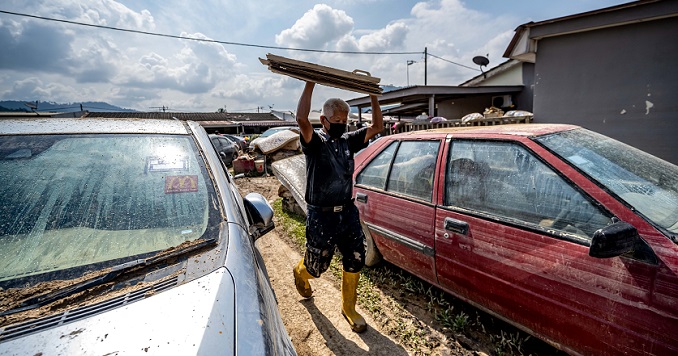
(329,166)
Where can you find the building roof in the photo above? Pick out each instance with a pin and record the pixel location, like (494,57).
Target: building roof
(412,99)
(523,45)
(206,119)
(194,116)
(40,114)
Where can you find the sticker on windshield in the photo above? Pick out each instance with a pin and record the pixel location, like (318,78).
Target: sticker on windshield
(181,184)
(164,164)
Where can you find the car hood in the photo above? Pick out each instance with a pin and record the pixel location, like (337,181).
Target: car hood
(197,317)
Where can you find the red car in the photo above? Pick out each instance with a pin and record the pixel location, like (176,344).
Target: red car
(567,234)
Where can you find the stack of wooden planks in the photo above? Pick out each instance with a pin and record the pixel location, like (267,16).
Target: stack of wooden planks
(358,80)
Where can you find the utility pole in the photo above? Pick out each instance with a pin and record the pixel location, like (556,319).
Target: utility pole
(425,65)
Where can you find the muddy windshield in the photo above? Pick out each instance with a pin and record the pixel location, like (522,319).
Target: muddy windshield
(70,201)
(648,184)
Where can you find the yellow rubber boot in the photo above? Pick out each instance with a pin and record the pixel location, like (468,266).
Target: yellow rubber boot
(301,277)
(349,296)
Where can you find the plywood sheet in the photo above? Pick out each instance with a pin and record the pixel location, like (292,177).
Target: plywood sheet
(358,80)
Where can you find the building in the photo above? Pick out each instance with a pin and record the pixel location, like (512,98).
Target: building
(452,102)
(612,70)
(222,122)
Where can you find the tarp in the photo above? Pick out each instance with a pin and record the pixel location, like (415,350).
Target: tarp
(359,81)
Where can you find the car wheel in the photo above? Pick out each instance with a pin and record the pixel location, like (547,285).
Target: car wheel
(229,164)
(372,254)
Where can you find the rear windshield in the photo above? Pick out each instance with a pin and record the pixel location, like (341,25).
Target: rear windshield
(77,200)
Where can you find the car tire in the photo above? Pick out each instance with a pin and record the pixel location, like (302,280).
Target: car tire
(372,254)
(233,158)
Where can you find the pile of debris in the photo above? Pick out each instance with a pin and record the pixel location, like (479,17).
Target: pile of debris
(267,150)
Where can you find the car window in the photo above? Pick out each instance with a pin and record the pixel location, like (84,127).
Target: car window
(231,139)
(224,142)
(645,182)
(507,180)
(216,142)
(374,175)
(75,200)
(413,167)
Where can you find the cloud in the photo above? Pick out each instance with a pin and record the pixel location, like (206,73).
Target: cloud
(195,69)
(33,88)
(446,28)
(41,58)
(33,47)
(389,38)
(316,28)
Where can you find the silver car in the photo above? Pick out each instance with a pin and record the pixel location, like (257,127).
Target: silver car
(129,237)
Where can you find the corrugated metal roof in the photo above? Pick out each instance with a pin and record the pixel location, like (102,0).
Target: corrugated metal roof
(218,123)
(194,116)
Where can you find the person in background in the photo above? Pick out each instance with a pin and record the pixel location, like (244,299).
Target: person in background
(332,219)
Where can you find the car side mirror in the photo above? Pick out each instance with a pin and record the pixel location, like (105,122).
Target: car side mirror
(614,240)
(259,213)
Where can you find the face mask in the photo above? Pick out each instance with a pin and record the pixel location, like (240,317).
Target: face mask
(336,130)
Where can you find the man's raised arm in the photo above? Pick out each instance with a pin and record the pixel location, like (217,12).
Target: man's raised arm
(303,110)
(377,121)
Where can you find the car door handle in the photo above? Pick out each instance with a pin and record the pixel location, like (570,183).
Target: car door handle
(458,226)
(361,197)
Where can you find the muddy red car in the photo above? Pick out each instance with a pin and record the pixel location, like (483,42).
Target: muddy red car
(567,234)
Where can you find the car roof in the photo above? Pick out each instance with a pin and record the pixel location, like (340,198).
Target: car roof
(90,125)
(507,129)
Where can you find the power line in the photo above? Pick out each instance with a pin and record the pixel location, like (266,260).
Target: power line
(443,59)
(193,38)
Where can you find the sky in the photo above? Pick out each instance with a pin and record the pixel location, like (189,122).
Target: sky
(62,62)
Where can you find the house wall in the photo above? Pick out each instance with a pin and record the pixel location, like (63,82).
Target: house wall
(457,108)
(521,74)
(525,99)
(620,81)
(511,76)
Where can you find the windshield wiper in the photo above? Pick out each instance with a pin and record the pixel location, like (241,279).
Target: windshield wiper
(116,271)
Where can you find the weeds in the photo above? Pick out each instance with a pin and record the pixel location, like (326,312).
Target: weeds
(460,322)
(507,343)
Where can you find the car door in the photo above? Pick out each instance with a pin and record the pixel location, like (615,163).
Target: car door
(226,147)
(394,194)
(512,235)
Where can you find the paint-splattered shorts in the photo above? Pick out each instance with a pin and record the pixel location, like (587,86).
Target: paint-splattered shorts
(326,230)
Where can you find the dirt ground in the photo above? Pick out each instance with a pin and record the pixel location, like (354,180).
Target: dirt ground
(316,325)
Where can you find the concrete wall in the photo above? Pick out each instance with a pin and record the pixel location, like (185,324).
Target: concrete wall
(525,99)
(457,108)
(620,81)
(512,76)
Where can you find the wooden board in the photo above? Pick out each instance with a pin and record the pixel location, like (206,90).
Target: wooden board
(359,81)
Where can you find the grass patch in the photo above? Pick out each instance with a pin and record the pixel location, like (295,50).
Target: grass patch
(292,224)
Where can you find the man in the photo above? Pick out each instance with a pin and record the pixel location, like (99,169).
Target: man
(332,219)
